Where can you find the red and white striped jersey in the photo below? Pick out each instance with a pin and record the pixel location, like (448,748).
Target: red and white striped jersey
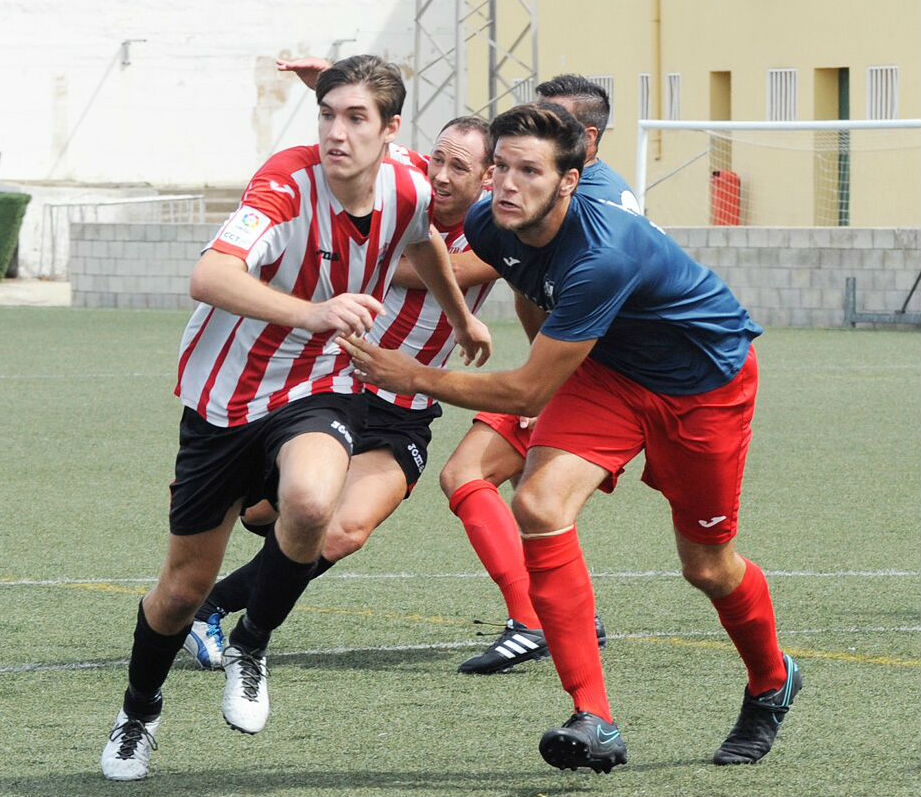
(415,323)
(294,235)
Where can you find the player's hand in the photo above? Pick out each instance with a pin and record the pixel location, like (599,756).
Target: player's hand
(347,313)
(526,421)
(389,368)
(474,340)
(307,69)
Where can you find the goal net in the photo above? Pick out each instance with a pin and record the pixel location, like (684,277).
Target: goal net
(781,174)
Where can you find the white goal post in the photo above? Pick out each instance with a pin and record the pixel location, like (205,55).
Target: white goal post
(810,173)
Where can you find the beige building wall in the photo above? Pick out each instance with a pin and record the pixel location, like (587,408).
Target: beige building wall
(784,180)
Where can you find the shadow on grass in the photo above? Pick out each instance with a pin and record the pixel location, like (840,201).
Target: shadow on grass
(205,783)
(411,659)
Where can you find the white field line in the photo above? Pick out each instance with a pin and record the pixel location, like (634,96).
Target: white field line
(84,376)
(833,369)
(623,574)
(473,643)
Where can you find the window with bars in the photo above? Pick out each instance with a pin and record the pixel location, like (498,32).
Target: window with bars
(643,109)
(883,92)
(781,95)
(607,83)
(673,96)
(523,90)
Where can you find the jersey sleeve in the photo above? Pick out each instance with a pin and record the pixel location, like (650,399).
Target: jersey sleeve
(419,228)
(590,295)
(259,229)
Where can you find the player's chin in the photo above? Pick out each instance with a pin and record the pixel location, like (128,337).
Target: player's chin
(507,220)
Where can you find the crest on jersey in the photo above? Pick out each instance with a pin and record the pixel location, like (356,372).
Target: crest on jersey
(244,227)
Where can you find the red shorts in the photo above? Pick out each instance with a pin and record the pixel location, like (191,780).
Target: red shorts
(508,428)
(695,445)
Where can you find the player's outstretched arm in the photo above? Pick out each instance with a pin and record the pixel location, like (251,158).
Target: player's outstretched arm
(468,270)
(223,281)
(307,69)
(430,259)
(522,391)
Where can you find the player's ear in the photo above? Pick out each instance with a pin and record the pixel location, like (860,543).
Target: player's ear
(591,137)
(392,127)
(487,176)
(569,182)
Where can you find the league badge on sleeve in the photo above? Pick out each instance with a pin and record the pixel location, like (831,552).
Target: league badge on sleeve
(244,227)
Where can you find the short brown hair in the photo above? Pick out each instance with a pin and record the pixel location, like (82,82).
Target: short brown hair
(472,124)
(548,121)
(383,80)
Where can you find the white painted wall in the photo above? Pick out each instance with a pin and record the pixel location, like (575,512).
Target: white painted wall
(200,102)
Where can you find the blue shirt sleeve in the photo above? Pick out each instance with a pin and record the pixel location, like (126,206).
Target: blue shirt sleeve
(590,295)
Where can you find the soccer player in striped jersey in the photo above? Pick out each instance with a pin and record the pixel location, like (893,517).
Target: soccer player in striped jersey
(642,350)
(271,405)
(391,452)
(493,450)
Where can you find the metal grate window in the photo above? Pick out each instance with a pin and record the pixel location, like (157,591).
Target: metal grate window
(781,95)
(607,83)
(673,96)
(523,90)
(883,92)
(643,108)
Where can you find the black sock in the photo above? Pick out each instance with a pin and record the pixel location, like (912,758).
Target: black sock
(246,635)
(231,593)
(278,583)
(323,564)
(151,659)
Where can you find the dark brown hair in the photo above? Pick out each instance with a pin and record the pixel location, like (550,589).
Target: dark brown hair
(382,79)
(591,104)
(548,121)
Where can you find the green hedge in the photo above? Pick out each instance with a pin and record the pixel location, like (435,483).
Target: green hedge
(12,210)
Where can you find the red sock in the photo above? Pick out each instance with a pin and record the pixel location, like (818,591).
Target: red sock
(562,594)
(747,614)
(493,533)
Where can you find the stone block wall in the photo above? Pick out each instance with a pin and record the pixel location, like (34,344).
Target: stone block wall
(785,276)
(794,276)
(134,265)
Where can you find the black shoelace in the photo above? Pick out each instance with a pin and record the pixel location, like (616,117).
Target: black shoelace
(131,732)
(503,626)
(252,671)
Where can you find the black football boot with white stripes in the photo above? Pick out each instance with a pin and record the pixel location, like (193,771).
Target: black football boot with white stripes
(515,645)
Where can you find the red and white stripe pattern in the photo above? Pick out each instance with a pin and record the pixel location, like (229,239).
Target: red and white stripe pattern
(293,234)
(415,324)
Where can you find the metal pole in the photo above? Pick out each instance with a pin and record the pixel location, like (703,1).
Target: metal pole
(491,85)
(417,43)
(639,178)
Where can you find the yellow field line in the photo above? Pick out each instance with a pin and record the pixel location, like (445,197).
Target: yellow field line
(103,586)
(414,617)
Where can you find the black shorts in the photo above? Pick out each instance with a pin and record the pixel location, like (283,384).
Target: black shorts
(405,432)
(217,466)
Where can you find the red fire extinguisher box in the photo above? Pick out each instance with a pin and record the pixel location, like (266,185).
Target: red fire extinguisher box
(724,198)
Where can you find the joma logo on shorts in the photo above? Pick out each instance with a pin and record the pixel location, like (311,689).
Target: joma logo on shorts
(341,428)
(417,457)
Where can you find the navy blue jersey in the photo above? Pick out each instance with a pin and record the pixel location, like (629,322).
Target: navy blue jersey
(600,181)
(660,318)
